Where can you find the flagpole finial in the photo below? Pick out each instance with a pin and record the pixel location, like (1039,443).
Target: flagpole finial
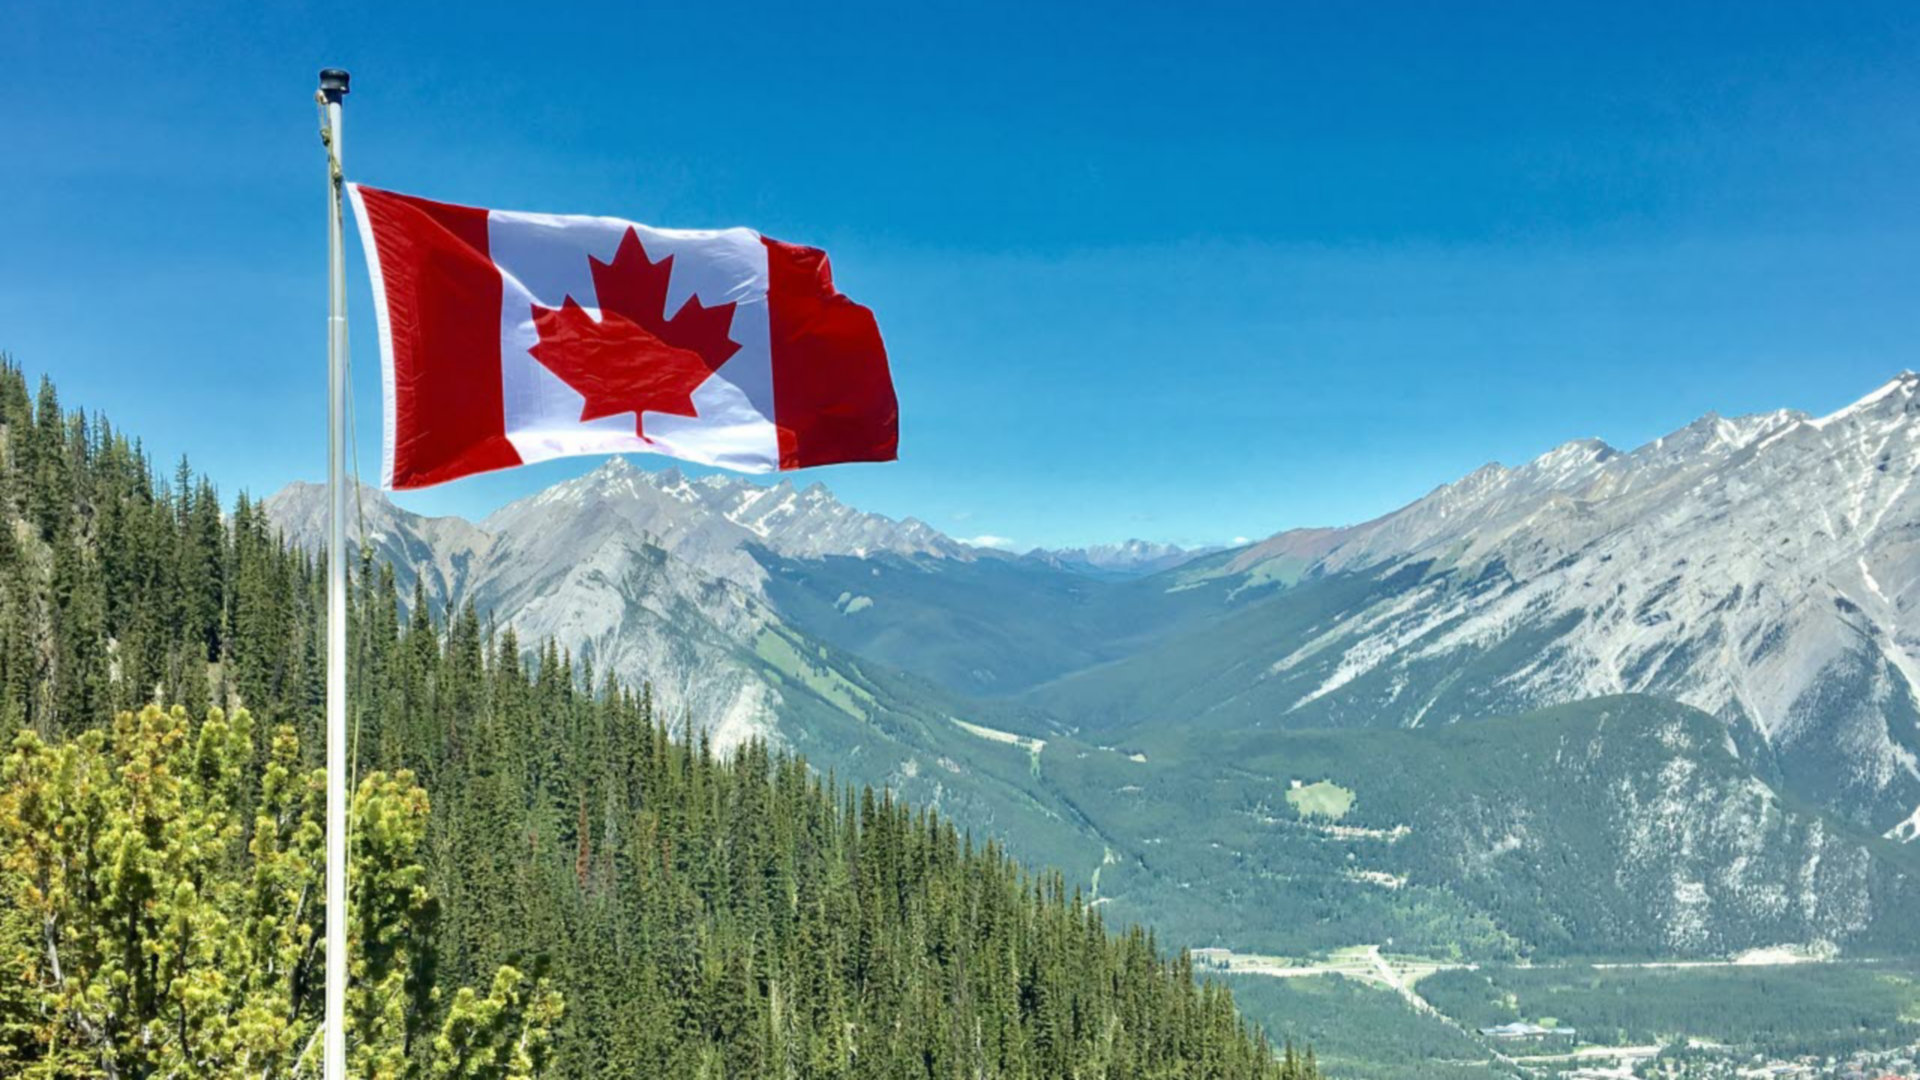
(333,83)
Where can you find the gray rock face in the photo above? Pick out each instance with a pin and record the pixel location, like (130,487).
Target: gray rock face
(440,553)
(1763,568)
(647,575)
(709,523)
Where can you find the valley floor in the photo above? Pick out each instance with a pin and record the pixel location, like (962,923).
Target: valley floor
(1765,1013)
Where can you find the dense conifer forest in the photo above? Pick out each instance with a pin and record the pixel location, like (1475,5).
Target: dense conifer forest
(609,896)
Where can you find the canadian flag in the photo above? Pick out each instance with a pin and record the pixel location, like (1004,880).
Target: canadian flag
(508,338)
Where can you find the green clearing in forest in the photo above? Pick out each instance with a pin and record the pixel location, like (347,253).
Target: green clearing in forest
(777,651)
(1322,799)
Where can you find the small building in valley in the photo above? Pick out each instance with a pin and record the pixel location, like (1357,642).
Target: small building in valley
(1212,959)
(1521,1031)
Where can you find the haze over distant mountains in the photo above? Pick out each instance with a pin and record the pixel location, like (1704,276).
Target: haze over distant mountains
(1129,557)
(1137,713)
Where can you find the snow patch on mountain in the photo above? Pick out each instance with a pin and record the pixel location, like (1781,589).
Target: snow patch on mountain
(1907,830)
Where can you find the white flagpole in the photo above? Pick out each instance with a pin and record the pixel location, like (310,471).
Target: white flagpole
(333,89)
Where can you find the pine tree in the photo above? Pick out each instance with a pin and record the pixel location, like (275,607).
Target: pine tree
(177,929)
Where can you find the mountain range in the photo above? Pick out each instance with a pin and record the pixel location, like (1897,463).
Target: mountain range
(1125,559)
(1762,568)
(1657,702)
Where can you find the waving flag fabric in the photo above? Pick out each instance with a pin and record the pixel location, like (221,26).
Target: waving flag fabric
(508,338)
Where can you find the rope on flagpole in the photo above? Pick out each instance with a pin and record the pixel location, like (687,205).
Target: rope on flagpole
(335,173)
(366,552)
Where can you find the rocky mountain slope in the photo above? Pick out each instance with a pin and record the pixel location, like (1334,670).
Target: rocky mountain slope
(658,579)
(1763,568)
(649,575)
(437,552)
(1622,826)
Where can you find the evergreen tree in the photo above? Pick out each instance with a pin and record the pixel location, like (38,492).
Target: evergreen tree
(165,923)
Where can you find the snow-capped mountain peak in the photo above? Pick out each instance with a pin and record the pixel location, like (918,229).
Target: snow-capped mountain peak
(1127,558)
(709,522)
(1891,400)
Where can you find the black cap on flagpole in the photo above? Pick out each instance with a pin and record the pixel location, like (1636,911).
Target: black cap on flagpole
(333,83)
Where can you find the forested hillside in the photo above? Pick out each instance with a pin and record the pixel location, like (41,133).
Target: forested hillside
(699,916)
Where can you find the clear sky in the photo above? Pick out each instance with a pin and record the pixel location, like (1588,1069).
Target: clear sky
(1179,271)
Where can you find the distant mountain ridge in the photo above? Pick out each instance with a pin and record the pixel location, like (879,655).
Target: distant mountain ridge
(706,522)
(799,522)
(1763,568)
(1127,558)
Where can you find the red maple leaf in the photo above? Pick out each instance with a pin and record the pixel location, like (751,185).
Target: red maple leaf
(634,359)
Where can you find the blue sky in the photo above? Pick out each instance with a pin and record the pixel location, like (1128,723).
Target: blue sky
(1183,272)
